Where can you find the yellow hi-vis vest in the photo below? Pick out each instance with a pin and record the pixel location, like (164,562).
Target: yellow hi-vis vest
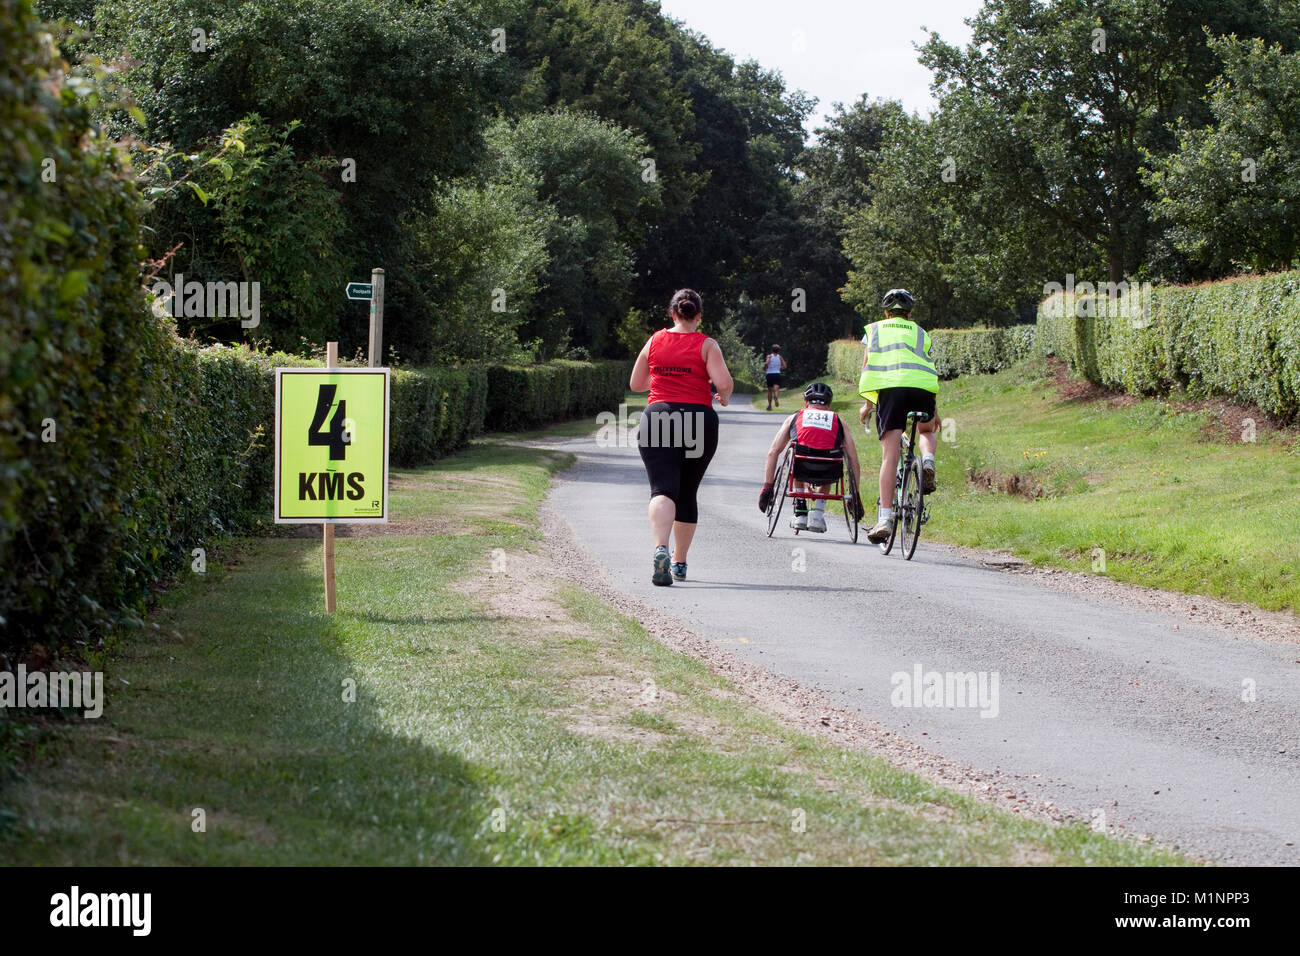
(898,356)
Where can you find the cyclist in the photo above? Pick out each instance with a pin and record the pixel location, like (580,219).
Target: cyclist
(898,376)
(819,431)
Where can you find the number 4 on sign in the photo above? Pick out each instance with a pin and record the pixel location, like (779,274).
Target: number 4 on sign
(339,435)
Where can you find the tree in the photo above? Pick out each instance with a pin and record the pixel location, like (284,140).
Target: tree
(1074,94)
(837,168)
(392,95)
(256,214)
(589,171)
(924,230)
(475,255)
(611,58)
(835,180)
(734,243)
(1231,192)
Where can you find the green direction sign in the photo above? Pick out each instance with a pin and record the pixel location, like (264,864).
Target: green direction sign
(360,290)
(331,445)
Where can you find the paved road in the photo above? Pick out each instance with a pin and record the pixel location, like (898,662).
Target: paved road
(1110,704)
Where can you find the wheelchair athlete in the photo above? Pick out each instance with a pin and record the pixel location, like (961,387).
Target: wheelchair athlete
(816,430)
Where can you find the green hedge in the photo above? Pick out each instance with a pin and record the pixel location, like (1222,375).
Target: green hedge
(68,258)
(521,397)
(434,412)
(198,464)
(844,360)
(1239,338)
(977,351)
(956,351)
(158,445)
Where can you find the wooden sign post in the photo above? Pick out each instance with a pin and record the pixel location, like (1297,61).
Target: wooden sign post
(331,601)
(331,450)
(374,292)
(376,317)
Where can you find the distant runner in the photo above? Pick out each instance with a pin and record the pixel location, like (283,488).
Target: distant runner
(773,366)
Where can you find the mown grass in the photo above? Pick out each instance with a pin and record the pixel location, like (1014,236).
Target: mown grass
(496,717)
(1147,492)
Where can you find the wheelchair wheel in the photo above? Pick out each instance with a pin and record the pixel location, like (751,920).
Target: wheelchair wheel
(847,505)
(913,507)
(779,485)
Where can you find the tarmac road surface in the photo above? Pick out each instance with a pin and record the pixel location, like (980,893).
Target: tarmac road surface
(1115,706)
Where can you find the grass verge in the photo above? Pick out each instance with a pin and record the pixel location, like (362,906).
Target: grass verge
(463,706)
(1153,492)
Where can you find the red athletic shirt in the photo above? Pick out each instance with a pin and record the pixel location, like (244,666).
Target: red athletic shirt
(817,427)
(677,371)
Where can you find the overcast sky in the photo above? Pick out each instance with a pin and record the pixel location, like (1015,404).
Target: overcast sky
(849,47)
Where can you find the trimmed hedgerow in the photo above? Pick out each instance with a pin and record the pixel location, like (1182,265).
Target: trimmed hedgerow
(844,360)
(956,351)
(1238,337)
(521,397)
(78,350)
(434,412)
(122,448)
(972,351)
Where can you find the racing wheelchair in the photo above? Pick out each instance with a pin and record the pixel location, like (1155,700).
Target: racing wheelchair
(828,475)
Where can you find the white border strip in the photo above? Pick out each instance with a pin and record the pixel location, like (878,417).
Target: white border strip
(388,384)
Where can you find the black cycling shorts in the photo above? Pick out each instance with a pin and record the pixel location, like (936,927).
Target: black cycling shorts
(677,441)
(893,404)
(773,378)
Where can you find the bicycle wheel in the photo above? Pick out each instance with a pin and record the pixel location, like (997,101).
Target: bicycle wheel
(779,485)
(913,505)
(849,519)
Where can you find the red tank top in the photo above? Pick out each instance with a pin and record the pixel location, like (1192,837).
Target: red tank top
(677,371)
(817,427)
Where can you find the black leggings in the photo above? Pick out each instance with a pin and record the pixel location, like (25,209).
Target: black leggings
(677,441)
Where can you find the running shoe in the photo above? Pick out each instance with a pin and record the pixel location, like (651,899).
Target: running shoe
(662,575)
(927,476)
(879,534)
(817,521)
(679,570)
(800,520)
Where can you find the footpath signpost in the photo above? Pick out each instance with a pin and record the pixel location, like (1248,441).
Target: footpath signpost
(374,292)
(331,438)
(331,449)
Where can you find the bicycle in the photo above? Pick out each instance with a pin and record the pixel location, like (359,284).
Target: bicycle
(909,502)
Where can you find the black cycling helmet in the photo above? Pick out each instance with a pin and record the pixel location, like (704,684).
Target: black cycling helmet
(818,393)
(898,299)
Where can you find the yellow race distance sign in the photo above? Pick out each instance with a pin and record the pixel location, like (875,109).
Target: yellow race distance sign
(331,445)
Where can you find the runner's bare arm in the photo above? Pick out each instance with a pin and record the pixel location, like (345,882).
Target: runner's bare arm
(640,380)
(718,371)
